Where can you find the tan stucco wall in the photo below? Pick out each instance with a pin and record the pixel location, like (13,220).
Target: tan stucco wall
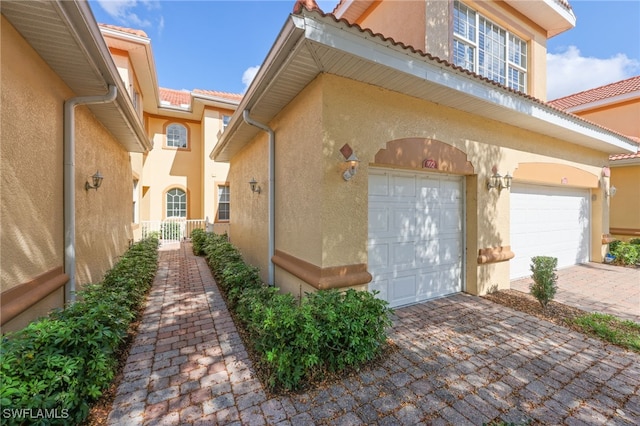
(623,117)
(427,26)
(32,180)
(402,20)
(323,220)
(166,168)
(249,211)
(625,205)
(31,167)
(214,173)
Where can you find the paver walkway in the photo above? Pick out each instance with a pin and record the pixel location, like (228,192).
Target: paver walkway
(461,360)
(596,287)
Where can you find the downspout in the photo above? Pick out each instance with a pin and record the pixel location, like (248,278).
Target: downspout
(70,182)
(272,197)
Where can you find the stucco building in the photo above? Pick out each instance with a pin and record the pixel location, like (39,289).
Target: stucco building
(616,106)
(149,144)
(66,115)
(464,171)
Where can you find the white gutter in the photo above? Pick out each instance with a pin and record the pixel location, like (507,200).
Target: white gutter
(272,198)
(70,182)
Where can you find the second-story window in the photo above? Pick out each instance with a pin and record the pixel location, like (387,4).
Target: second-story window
(176,136)
(487,49)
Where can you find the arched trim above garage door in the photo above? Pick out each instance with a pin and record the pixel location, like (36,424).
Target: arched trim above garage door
(555,174)
(420,153)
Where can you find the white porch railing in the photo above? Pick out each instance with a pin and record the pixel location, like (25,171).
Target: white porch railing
(177,229)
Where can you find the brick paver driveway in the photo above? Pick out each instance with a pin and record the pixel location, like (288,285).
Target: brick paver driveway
(596,287)
(461,360)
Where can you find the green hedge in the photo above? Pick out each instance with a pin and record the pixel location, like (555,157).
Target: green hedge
(298,340)
(60,364)
(625,253)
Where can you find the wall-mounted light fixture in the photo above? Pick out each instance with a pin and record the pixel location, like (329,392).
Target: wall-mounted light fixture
(352,162)
(254,186)
(498,182)
(611,191)
(95,182)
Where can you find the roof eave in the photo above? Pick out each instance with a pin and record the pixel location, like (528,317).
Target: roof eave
(72,32)
(457,88)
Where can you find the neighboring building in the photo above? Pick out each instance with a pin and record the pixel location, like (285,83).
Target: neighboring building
(177,179)
(424,216)
(56,234)
(616,106)
(44,66)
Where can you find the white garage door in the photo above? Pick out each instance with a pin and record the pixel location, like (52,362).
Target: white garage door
(415,235)
(548,221)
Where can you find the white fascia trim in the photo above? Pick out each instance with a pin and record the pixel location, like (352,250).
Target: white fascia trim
(132,38)
(605,102)
(385,53)
(215,101)
(343,8)
(625,162)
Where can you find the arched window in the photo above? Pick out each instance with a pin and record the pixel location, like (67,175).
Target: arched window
(176,203)
(176,136)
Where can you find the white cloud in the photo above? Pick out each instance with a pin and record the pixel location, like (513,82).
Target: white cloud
(127,12)
(569,72)
(248,75)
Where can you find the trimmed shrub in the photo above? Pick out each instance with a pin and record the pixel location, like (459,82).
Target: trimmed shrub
(626,253)
(544,279)
(297,341)
(198,240)
(635,241)
(66,360)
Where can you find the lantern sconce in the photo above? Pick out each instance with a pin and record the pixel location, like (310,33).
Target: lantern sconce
(352,162)
(496,181)
(254,186)
(94,181)
(611,191)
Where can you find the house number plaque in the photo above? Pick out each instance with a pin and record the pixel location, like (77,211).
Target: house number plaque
(429,164)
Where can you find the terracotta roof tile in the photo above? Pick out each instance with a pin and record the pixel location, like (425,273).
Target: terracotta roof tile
(217,94)
(307,4)
(139,33)
(178,98)
(599,93)
(627,156)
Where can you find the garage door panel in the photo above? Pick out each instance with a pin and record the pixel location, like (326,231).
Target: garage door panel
(379,256)
(415,240)
(378,184)
(378,220)
(404,186)
(548,221)
(404,254)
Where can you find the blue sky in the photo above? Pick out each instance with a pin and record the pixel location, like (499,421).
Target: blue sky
(218,45)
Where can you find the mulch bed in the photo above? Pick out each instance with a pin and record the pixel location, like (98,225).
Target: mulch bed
(555,312)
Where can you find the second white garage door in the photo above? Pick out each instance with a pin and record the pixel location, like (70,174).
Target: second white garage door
(415,235)
(548,221)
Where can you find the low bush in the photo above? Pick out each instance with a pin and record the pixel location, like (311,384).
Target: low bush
(635,241)
(299,340)
(544,277)
(625,253)
(198,239)
(65,361)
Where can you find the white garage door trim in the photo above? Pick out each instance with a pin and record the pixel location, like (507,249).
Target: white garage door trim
(416,235)
(549,221)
